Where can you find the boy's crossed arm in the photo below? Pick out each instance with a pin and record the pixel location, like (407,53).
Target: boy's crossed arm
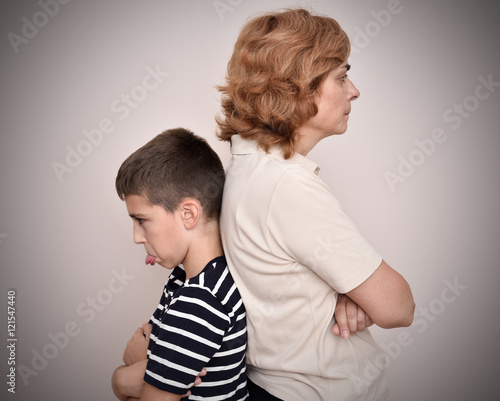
(128,380)
(137,346)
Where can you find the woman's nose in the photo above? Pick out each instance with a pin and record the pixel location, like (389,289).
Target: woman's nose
(353,92)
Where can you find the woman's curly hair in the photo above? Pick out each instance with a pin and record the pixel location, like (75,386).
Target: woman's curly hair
(278,63)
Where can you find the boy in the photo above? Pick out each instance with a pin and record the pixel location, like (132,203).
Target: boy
(172,187)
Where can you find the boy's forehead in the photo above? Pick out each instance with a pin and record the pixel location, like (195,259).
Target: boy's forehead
(136,203)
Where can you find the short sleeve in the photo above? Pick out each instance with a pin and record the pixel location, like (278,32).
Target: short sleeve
(306,221)
(189,334)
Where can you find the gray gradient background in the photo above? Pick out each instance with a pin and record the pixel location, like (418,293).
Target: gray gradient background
(61,241)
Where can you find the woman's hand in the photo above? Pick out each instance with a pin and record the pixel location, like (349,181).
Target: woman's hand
(350,317)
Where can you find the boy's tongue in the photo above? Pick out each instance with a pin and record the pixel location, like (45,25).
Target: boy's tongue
(150,260)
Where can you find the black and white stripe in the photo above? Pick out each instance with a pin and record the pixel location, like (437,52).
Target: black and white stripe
(199,323)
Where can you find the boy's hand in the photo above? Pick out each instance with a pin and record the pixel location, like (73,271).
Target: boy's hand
(137,346)
(350,318)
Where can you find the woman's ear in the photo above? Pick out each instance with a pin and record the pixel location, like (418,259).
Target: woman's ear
(190,210)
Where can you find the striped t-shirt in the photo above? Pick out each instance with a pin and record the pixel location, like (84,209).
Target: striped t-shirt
(199,323)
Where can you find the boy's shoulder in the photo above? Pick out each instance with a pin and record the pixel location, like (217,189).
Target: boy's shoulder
(215,279)
(213,276)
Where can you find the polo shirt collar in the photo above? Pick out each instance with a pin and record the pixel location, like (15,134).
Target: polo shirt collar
(241,146)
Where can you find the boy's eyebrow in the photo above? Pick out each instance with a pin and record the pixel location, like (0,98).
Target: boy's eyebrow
(137,216)
(347,67)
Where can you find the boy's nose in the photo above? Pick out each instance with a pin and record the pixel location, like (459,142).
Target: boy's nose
(138,236)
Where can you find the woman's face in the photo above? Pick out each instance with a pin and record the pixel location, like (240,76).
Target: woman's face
(334,105)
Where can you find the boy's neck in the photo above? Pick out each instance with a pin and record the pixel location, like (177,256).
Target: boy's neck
(205,246)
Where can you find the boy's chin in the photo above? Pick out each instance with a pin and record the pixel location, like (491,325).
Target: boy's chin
(164,265)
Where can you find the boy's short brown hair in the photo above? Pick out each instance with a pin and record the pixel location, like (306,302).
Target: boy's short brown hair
(279,61)
(175,165)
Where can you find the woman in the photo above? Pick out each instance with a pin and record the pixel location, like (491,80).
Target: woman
(290,247)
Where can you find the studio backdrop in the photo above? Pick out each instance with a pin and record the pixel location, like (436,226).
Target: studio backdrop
(85,83)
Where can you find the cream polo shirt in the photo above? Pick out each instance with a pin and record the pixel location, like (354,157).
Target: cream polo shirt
(291,250)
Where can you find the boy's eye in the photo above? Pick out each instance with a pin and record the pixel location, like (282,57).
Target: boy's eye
(343,77)
(140,221)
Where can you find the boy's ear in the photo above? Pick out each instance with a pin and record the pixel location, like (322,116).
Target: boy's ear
(190,212)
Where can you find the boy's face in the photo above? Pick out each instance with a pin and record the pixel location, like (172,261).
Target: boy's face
(163,234)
